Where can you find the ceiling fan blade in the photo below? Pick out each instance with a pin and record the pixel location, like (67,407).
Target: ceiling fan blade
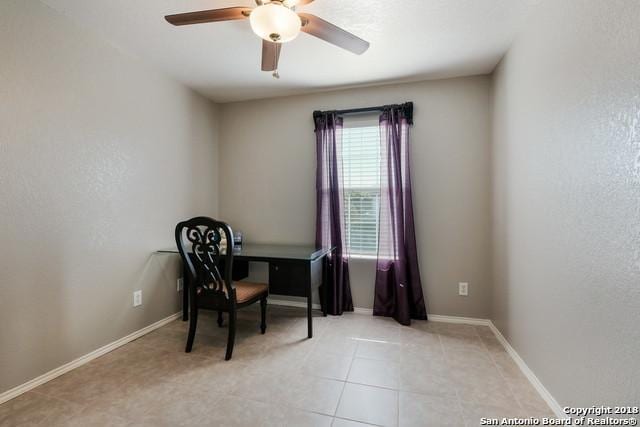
(328,32)
(214,15)
(270,55)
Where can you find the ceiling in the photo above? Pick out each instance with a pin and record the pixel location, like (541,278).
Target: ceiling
(410,40)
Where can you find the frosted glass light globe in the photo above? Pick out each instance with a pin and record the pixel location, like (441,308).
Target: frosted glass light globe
(275,23)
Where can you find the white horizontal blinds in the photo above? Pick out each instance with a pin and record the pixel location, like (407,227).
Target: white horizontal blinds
(361,184)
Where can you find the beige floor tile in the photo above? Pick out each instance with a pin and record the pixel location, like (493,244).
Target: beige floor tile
(171,404)
(310,393)
(275,359)
(379,350)
(340,422)
(424,325)
(413,336)
(298,345)
(381,332)
(473,413)
(454,329)
(240,412)
(493,345)
(87,417)
(428,410)
(175,342)
(332,366)
(304,392)
(207,325)
(367,404)
(419,354)
(136,396)
(289,417)
(209,374)
(430,376)
(34,409)
(333,343)
(471,360)
(480,388)
(462,343)
(484,331)
(507,366)
(529,399)
(379,373)
(263,387)
(87,385)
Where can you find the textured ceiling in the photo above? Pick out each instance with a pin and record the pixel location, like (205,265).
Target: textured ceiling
(410,40)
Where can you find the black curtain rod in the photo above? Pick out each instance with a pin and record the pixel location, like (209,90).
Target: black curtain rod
(407,107)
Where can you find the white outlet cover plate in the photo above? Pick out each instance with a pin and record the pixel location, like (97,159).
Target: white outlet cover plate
(463,288)
(137,298)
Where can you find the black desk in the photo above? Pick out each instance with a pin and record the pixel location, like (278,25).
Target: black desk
(293,270)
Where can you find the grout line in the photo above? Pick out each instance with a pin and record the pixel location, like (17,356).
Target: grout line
(357,421)
(507,382)
(398,404)
(345,383)
(455,386)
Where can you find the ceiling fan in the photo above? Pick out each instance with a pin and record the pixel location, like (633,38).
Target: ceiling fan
(276,22)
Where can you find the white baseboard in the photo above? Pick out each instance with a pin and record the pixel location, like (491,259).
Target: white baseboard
(302,304)
(29,385)
(535,382)
(369,311)
(290,303)
(458,319)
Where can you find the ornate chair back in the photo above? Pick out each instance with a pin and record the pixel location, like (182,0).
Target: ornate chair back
(199,242)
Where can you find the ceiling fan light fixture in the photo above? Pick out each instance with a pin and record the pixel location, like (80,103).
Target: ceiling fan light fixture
(275,22)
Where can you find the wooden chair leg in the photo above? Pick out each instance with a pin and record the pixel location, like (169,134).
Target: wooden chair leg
(193,321)
(232,334)
(263,314)
(220,321)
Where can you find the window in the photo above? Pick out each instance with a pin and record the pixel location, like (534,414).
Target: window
(361,177)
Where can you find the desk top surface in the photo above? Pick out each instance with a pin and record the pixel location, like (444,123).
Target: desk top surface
(268,251)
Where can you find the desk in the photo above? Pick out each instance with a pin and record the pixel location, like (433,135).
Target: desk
(293,270)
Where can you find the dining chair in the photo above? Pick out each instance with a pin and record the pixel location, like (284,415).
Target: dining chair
(209,263)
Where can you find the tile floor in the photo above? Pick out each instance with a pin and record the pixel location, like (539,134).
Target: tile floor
(358,370)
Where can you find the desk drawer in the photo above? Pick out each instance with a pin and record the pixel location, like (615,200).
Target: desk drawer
(288,278)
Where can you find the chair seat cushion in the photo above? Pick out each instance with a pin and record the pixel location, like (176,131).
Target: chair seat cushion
(249,290)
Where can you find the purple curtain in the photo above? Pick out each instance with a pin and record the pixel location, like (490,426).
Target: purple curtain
(329,217)
(398,290)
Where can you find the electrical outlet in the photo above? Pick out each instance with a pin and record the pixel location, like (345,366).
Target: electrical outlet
(463,289)
(137,298)
(180,283)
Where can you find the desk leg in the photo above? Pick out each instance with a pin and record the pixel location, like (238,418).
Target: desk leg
(309,315)
(325,284)
(185,294)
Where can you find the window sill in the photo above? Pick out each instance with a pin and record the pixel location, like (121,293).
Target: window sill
(373,257)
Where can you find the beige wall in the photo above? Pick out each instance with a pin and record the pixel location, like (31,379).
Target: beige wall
(567,200)
(99,158)
(267,181)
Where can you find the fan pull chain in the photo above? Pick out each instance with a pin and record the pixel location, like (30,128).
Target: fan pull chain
(276,52)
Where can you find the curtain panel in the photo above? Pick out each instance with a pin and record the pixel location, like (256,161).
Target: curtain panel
(398,288)
(329,209)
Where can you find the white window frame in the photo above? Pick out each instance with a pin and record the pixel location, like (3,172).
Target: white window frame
(351,122)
